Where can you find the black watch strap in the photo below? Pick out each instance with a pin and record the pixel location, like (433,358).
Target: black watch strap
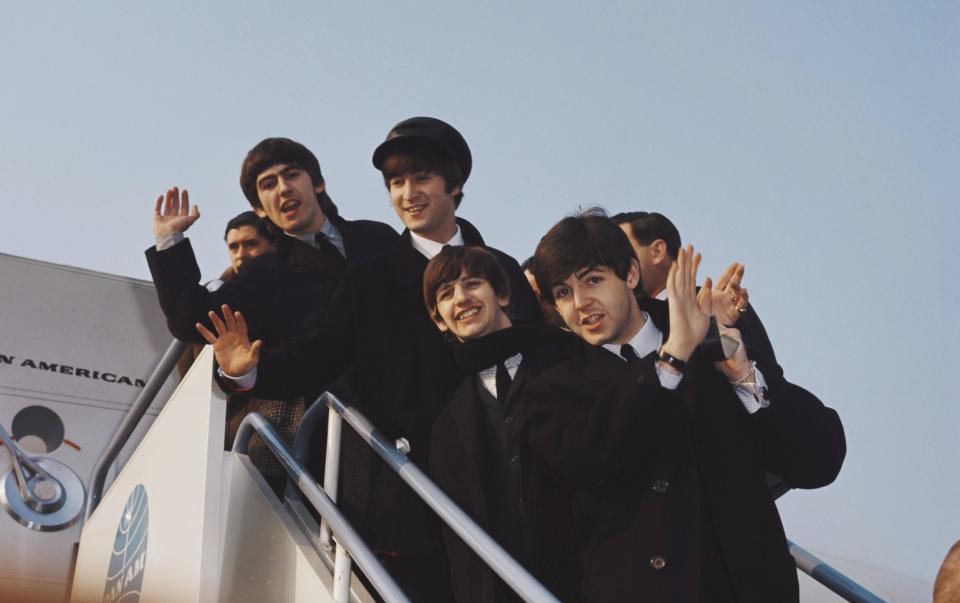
(676,363)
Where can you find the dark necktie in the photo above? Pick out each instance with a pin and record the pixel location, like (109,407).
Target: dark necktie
(329,249)
(503,384)
(628,353)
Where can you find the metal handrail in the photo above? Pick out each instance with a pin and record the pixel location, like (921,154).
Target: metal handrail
(129,423)
(825,574)
(302,441)
(342,530)
(514,574)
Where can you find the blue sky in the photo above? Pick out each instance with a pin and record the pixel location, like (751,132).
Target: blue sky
(817,143)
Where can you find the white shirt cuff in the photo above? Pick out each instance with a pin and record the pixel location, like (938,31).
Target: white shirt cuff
(241,383)
(749,393)
(169,240)
(668,379)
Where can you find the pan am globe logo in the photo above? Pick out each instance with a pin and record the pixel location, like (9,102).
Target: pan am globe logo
(129,557)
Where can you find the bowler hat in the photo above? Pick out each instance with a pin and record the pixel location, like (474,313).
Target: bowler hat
(428,131)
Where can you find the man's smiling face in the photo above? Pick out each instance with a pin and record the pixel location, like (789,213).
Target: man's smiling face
(470,308)
(423,203)
(289,199)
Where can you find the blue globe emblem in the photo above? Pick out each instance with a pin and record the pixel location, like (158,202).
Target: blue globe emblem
(129,556)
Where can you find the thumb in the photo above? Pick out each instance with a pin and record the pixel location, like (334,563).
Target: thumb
(255,350)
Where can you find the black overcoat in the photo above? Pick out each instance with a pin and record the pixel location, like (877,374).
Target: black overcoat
(670,486)
(470,462)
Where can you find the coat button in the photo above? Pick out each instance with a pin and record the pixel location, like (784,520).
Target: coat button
(515,458)
(508,420)
(641,379)
(661,486)
(658,562)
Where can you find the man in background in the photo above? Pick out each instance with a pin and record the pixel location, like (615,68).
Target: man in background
(248,235)
(656,242)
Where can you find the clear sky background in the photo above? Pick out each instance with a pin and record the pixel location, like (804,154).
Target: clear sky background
(816,142)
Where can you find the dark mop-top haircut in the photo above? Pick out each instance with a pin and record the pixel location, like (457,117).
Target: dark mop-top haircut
(585,240)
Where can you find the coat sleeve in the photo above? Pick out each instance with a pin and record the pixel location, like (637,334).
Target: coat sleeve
(758,345)
(303,366)
(185,301)
(803,440)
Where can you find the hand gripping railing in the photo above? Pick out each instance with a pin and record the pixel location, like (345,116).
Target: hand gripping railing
(514,574)
(346,536)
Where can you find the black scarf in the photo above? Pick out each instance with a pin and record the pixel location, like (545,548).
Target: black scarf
(483,352)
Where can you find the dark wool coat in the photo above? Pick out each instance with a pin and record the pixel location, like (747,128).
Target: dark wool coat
(670,492)
(469,461)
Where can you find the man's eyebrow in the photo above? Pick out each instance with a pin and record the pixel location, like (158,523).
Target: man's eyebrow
(584,271)
(281,167)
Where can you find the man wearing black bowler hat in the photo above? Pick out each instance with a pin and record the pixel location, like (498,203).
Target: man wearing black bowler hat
(401,368)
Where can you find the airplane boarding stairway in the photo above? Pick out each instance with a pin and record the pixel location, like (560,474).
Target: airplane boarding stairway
(186,521)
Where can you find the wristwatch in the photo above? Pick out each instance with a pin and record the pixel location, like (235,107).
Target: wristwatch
(679,365)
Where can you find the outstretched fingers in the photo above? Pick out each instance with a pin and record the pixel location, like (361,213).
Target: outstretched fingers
(172,202)
(228,319)
(738,276)
(688,261)
(218,324)
(205,332)
(672,276)
(185,209)
(241,323)
(695,263)
(705,296)
(729,276)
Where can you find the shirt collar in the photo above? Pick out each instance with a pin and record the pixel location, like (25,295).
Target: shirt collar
(431,248)
(329,230)
(488,376)
(647,340)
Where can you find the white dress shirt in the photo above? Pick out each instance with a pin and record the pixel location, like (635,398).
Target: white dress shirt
(431,248)
(488,376)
